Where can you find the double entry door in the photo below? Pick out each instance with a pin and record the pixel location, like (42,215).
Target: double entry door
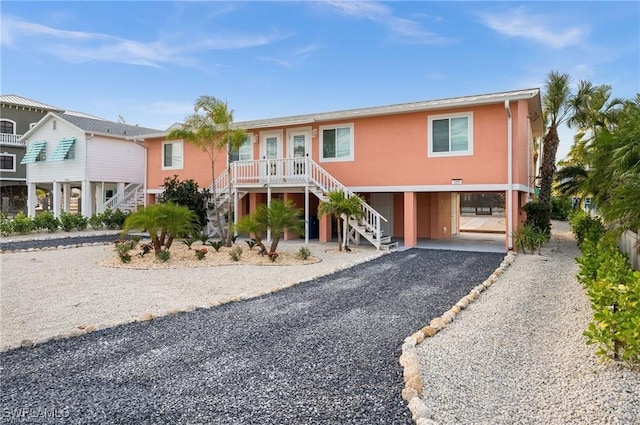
(276,166)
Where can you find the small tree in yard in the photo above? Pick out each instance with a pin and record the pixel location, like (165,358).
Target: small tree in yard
(163,222)
(188,194)
(279,217)
(209,129)
(342,208)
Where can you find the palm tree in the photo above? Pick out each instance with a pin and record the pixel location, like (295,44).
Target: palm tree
(555,104)
(278,217)
(209,128)
(342,207)
(163,222)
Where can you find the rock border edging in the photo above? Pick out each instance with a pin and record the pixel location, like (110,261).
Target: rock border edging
(409,359)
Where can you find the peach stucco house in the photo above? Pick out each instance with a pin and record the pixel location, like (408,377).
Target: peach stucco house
(410,162)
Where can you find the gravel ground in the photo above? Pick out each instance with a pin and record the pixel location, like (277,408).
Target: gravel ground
(324,351)
(45,240)
(517,355)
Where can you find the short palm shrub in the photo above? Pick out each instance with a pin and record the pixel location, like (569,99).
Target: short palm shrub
(529,237)
(163,255)
(216,245)
(303,253)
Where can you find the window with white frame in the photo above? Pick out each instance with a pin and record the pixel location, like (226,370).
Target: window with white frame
(244,152)
(172,155)
(7,162)
(336,143)
(450,135)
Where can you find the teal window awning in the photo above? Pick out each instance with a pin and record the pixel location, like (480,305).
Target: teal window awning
(62,150)
(33,151)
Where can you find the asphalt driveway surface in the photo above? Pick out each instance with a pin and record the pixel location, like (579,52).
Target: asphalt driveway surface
(323,352)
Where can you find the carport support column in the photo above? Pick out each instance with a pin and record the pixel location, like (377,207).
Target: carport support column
(410,219)
(57,193)
(31,200)
(86,199)
(324,231)
(66,197)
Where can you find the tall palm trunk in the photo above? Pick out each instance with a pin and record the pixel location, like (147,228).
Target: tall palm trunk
(548,166)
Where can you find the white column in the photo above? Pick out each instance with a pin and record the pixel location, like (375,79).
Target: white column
(32,199)
(87,211)
(98,199)
(66,197)
(306,214)
(57,194)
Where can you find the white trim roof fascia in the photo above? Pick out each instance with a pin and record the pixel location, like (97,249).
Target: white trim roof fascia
(454,102)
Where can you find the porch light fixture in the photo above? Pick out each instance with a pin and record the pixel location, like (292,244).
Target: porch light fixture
(456,181)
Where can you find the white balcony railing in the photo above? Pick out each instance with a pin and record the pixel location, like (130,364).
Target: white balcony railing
(11,139)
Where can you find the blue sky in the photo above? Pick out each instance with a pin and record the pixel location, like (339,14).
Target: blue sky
(148,61)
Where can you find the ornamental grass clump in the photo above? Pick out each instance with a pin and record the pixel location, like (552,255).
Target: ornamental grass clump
(163,255)
(236,253)
(303,253)
(122,249)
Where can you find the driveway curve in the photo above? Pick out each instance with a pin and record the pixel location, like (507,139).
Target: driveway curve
(324,351)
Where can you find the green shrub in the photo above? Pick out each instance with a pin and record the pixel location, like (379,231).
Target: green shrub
(539,216)
(96,221)
(6,225)
(560,208)
(216,245)
(586,227)
(113,219)
(123,247)
(22,224)
(163,255)
(67,221)
(303,253)
(614,291)
(200,253)
(46,221)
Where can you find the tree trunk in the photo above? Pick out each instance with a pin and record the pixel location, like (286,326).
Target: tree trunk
(339,224)
(548,166)
(274,245)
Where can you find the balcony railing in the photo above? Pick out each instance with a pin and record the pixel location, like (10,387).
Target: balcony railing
(11,139)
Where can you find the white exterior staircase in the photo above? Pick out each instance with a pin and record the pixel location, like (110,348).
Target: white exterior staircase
(292,172)
(128,200)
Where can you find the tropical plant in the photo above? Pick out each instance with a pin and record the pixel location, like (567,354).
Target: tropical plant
(303,253)
(209,129)
(200,253)
(22,224)
(188,194)
(278,217)
(342,207)
(163,222)
(556,108)
(236,253)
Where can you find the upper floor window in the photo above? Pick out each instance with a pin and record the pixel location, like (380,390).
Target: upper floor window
(172,155)
(7,162)
(450,135)
(244,152)
(336,143)
(7,126)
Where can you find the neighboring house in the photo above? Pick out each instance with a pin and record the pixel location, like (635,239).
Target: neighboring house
(411,163)
(17,115)
(67,151)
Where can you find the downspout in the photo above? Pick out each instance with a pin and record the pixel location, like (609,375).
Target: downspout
(509,175)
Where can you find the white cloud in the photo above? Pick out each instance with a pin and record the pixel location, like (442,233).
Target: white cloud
(538,28)
(402,29)
(80,47)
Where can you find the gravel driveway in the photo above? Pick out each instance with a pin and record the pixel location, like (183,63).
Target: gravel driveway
(325,351)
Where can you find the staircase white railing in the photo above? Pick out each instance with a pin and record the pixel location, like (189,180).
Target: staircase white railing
(372,219)
(131,191)
(287,171)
